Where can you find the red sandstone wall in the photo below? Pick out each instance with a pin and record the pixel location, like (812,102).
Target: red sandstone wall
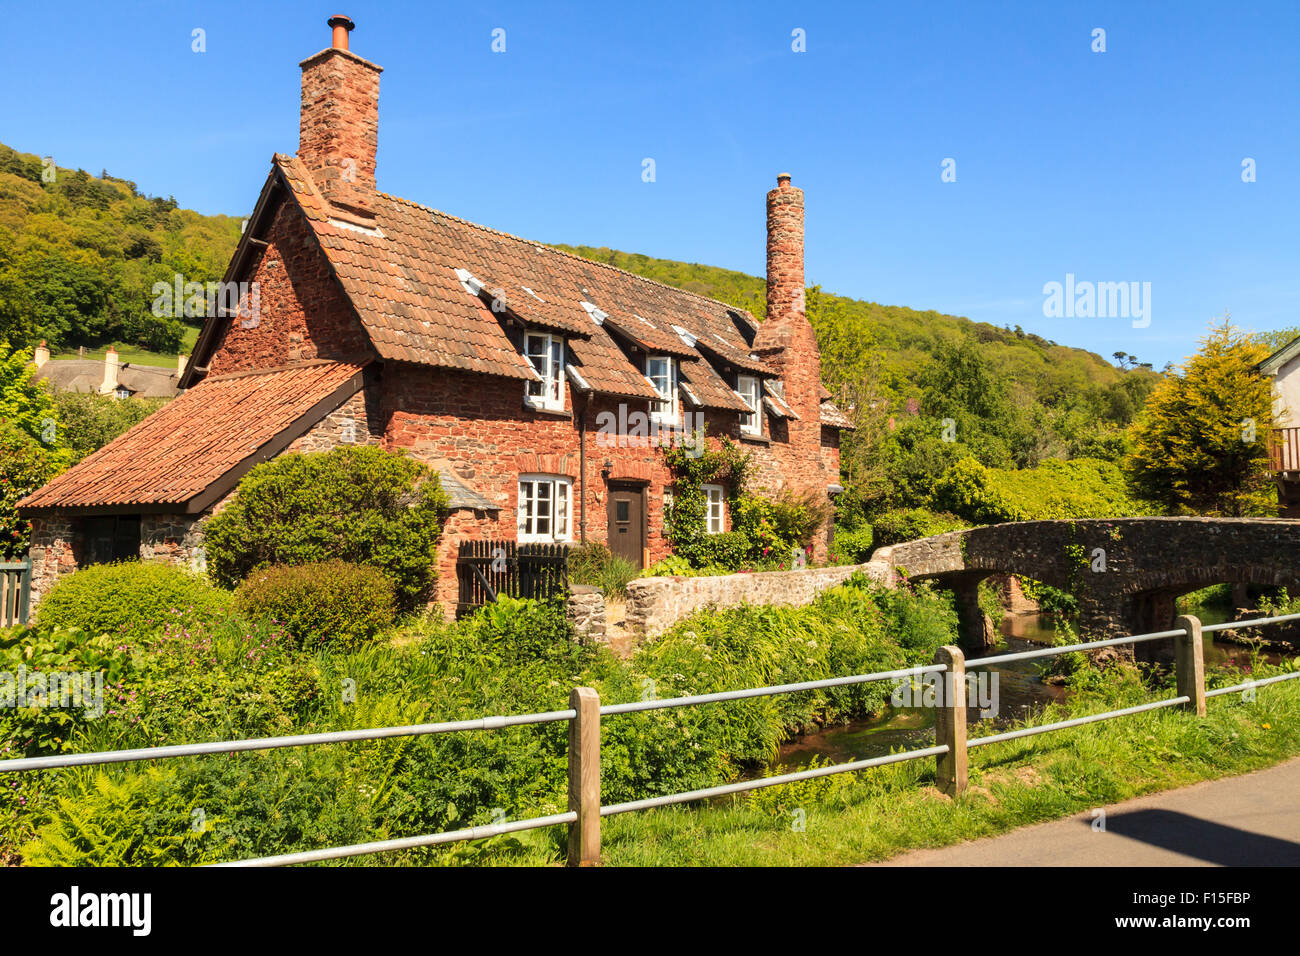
(304,312)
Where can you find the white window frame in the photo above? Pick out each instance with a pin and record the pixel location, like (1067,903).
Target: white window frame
(549,364)
(714,508)
(664,411)
(749,389)
(545,501)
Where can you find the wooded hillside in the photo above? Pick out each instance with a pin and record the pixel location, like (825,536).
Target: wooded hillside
(79,255)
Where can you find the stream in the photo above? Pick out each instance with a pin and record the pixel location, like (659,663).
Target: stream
(1021,692)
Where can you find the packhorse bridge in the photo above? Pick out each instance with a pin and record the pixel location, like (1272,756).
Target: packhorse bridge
(1125,572)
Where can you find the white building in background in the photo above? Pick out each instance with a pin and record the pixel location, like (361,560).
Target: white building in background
(108,377)
(1283,367)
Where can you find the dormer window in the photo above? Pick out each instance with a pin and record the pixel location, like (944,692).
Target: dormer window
(546,353)
(661,370)
(748,390)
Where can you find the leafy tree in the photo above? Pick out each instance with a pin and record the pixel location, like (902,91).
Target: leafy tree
(31,450)
(1079,488)
(1274,341)
(90,421)
(356,503)
(1200,445)
(25,403)
(25,465)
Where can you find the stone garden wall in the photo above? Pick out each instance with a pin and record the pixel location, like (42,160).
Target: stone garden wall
(655,604)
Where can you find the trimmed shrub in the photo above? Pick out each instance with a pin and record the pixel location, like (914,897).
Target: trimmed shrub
(594,564)
(357,503)
(909,524)
(329,604)
(731,549)
(130,599)
(853,546)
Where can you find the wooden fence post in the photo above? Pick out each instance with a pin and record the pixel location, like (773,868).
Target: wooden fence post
(1189,664)
(584,777)
(25,592)
(950,722)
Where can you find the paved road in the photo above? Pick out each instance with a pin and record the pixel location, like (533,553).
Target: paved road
(1251,820)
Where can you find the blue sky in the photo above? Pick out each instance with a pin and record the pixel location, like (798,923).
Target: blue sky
(1117,166)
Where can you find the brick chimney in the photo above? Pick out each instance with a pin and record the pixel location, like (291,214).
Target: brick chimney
(41,355)
(785,340)
(109,385)
(338,133)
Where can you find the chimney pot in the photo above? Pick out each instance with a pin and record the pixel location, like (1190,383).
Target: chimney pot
(783,180)
(342,27)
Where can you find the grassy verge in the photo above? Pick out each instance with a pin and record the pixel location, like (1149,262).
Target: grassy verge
(889,810)
(885,811)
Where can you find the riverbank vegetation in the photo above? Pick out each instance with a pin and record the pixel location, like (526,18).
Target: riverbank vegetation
(206,672)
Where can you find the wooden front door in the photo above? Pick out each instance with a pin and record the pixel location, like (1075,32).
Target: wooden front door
(627,522)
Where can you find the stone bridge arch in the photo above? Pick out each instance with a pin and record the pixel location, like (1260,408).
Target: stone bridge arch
(1125,572)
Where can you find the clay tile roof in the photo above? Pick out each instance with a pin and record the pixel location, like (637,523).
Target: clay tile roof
(776,402)
(733,354)
(198,445)
(713,392)
(648,334)
(832,416)
(401,275)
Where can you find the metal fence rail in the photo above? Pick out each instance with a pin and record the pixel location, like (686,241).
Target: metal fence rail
(585,711)
(273,743)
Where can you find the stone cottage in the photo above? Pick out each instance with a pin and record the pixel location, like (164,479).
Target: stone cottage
(528,377)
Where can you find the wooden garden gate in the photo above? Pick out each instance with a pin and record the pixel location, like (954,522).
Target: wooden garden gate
(487,569)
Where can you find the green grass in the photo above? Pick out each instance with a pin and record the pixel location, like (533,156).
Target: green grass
(890,810)
(139,356)
(879,813)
